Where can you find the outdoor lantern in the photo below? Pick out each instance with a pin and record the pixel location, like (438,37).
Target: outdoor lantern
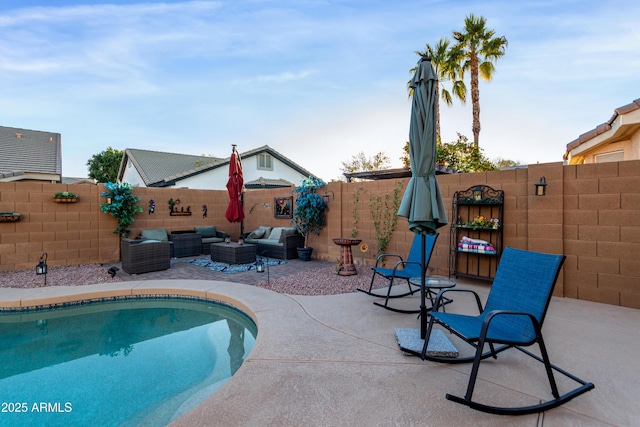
(328,197)
(541,187)
(477,193)
(41,268)
(260,266)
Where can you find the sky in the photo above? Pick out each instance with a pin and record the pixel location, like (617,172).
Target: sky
(317,80)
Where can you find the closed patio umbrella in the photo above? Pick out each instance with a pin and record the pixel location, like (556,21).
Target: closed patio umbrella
(422,202)
(235,184)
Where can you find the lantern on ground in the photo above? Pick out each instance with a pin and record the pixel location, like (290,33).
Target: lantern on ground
(41,268)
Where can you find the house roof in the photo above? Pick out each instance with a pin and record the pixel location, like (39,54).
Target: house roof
(30,154)
(156,167)
(619,127)
(392,173)
(160,169)
(268,183)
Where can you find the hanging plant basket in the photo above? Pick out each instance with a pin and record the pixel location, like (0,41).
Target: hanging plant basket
(65,199)
(9,217)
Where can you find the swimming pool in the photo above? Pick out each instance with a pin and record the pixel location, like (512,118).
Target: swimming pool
(119,361)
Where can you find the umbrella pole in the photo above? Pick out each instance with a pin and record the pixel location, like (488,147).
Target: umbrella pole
(423,297)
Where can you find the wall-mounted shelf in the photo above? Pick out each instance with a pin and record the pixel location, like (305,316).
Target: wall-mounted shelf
(467,256)
(180,213)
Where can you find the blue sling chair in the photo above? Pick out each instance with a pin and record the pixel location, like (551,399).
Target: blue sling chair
(512,318)
(403,270)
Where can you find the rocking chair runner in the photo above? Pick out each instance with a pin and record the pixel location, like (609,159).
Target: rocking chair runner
(402,269)
(512,318)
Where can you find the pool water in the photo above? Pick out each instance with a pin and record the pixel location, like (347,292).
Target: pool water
(125,362)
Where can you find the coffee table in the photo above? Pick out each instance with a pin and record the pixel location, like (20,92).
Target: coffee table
(233,253)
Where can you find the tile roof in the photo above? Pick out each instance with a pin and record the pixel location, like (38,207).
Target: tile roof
(27,152)
(160,169)
(156,167)
(621,133)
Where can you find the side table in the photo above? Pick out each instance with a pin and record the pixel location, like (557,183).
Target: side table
(186,243)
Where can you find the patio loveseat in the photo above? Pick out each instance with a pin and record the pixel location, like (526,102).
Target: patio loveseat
(276,242)
(186,242)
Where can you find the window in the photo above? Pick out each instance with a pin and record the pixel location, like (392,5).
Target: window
(265,162)
(615,156)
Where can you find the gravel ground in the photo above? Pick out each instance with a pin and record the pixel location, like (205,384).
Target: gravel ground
(323,281)
(67,275)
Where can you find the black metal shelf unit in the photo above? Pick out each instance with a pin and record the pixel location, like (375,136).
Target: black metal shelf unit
(478,214)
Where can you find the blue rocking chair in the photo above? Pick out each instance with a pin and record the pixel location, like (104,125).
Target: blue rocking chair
(512,318)
(402,269)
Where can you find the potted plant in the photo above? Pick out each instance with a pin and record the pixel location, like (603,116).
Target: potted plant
(309,211)
(123,205)
(65,197)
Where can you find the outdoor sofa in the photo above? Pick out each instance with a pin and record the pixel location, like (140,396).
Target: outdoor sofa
(144,256)
(186,242)
(276,242)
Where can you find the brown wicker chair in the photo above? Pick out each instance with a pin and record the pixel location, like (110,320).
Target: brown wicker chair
(139,256)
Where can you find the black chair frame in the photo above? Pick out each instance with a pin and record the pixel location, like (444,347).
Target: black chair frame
(496,346)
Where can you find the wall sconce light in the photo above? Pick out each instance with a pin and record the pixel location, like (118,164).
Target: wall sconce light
(41,268)
(477,193)
(541,187)
(328,197)
(109,200)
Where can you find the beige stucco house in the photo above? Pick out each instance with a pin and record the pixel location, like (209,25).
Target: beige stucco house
(613,141)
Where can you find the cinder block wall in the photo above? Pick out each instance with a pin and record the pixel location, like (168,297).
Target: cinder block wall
(589,213)
(79,233)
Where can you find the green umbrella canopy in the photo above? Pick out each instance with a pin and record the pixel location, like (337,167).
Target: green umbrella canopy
(422,202)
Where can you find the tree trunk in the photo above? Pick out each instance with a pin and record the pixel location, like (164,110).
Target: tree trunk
(475,100)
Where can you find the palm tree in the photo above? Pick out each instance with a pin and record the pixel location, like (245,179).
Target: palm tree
(480,49)
(445,62)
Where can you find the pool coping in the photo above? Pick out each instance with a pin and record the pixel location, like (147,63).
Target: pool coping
(333,360)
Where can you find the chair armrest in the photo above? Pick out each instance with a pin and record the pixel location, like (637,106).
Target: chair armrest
(493,314)
(469,291)
(221,234)
(379,257)
(403,264)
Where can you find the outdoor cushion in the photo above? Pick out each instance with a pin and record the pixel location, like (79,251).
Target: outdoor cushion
(271,242)
(207,231)
(257,234)
(287,231)
(266,229)
(275,233)
(142,242)
(212,240)
(155,234)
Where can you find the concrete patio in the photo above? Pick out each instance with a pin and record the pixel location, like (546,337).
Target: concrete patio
(333,360)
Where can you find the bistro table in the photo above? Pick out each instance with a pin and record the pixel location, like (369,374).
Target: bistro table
(433,284)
